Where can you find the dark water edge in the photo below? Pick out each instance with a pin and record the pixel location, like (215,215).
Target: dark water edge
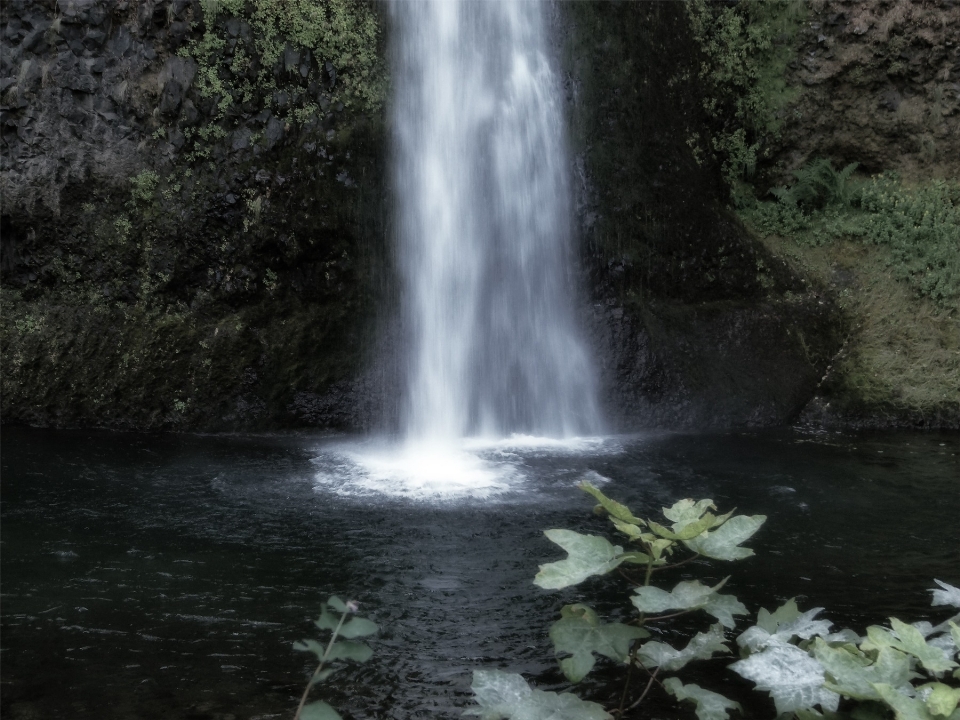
(166,576)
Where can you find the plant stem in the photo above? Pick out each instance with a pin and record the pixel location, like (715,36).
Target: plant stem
(676,565)
(316,672)
(653,678)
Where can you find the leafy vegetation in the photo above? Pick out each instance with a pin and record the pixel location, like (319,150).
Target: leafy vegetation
(346,649)
(746,47)
(904,671)
(297,58)
(580,635)
(919,227)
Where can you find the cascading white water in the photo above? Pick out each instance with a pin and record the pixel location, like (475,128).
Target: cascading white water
(480,172)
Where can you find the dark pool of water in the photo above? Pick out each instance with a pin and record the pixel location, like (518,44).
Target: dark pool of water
(167,576)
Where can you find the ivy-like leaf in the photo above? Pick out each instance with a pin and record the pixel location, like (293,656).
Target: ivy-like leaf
(909,640)
(949,595)
(701,647)
(690,595)
(793,678)
(319,710)
(337,604)
(639,558)
(943,699)
(709,705)
(327,620)
(770,621)
(347,650)
(588,555)
(854,676)
(507,696)
(322,675)
(684,531)
(724,542)
(629,529)
(358,627)
(687,511)
(310,646)
(616,510)
(581,634)
(904,707)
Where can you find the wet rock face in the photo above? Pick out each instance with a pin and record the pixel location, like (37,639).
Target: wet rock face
(881,86)
(155,250)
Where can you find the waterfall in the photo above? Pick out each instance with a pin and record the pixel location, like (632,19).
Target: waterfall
(485,226)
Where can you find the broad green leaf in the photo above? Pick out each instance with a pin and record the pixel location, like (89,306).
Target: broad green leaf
(909,640)
(507,696)
(629,529)
(724,542)
(904,707)
(588,555)
(690,595)
(658,545)
(319,710)
(327,620)
(638,558)
(950,595)
(854,676)
(581,634)
(358,627)
(616,510)
(684,531)
(310,646)
(701,647)
(793,678)
(687,511)
(347,650)
(955,633)
(770,621)
(942,699)
(337,604)
(322,675)
(709,705)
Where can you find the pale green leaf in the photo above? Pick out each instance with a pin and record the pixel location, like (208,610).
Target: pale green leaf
(319,710)
(794,680)
(669,659)
(629,529)
(657,546)
(616,510)
(310,646)
(724,542)
(854,676)
(322,675)
(955,633)
(327,620)
(583,635)
(639,558)
(909,640)
(337,604)
(770,621)
(687,511)
(507,696)
(690,595)
(904,707)
(348,650)
(684,531)
(942,699)
(358,627)
(949,595)
(587,555)
(709,705)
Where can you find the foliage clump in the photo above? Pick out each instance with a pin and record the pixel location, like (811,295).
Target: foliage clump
(746,47)
(904,671)
(919,226)
(296,57)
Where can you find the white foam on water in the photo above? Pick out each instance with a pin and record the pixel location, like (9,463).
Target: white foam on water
(432,471)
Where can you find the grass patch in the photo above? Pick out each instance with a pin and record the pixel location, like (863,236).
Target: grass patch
(918,227)
(902,351)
